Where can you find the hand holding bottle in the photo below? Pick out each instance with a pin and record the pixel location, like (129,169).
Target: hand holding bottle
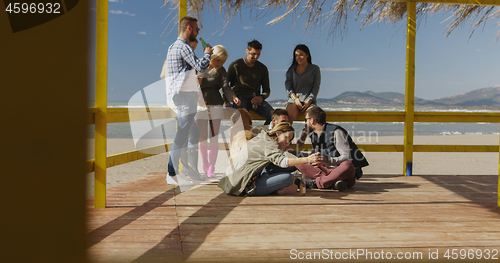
(206,47)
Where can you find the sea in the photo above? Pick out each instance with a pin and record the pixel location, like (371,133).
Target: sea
(165,129)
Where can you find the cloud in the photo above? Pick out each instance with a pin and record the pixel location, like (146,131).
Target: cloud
(342,69)
(115,1)
(120,12)
(142,33)
(478,50)
(247,27)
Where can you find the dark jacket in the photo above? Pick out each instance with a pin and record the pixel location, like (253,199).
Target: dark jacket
(325,144)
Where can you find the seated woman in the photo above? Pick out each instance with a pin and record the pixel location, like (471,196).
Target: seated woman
(243,176)
(302,82)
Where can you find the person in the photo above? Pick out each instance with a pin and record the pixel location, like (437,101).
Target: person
(189,156)
(341,156)
(193,43)
(279,115)
(184,94)
(213,80)
(243,176)
(302,82)
(246,77)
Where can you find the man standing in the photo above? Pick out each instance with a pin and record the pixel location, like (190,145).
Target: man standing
(180,63)
(246,76)
(343,160)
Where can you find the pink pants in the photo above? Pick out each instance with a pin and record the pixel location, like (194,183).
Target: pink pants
(327,177)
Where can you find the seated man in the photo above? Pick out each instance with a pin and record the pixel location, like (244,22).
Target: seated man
(246,76)
(342,158)
(277,116)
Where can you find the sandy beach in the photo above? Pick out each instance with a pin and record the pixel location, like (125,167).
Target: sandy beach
(380,163)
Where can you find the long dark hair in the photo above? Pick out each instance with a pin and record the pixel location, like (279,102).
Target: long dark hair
(303,48)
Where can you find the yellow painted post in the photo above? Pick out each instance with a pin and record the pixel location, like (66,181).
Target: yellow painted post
(101,81)
(182,11)
(410,88)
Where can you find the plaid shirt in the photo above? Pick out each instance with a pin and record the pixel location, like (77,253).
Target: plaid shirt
(180,59)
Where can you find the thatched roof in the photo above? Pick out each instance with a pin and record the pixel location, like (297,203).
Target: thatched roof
(333,15)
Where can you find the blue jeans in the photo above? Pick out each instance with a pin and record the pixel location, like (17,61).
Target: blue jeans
(187,131)
(266,185)
(264,109)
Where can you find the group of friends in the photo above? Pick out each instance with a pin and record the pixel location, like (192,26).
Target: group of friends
(261,160)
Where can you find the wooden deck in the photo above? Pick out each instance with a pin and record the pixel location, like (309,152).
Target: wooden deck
(150,221)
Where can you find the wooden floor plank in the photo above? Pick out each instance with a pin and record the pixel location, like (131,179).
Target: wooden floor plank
(150,221)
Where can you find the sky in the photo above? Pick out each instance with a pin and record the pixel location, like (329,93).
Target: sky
(371,59)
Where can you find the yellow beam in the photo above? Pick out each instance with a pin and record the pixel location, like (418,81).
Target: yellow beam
(182,12)
(456,148)
(121,158)
(451,2)
(381,147)
(138,114)
(354,116)
(89,166)
(410,88)
(101,104)
(491,117)
(115,115)
(126,157)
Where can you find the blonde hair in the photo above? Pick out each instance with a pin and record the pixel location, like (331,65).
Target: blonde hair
(220,52)
(280,127)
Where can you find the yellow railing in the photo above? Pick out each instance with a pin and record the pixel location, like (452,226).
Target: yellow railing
(116,115)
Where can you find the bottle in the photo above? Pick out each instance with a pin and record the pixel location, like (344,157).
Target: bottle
(253,105)
(302,185)
(203,43)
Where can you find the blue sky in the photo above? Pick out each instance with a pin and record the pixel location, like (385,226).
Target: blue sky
(369,59)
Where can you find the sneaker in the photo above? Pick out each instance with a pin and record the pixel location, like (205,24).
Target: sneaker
(311,184)
(172,179)
(340,186)
(196,176)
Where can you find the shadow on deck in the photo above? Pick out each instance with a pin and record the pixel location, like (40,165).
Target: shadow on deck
(150,221)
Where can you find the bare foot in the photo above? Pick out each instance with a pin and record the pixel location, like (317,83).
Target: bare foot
(288,190)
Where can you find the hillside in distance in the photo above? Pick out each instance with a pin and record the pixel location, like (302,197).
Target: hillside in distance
(489,97)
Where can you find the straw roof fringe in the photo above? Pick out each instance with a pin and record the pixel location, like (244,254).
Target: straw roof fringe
(334,13)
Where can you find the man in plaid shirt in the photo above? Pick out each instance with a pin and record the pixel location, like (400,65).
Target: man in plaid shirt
(180,63)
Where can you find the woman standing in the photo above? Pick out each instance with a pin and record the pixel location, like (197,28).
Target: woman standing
(243,175)
(302,82)
(213,80)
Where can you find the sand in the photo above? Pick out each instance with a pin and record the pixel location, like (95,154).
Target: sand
(380,163)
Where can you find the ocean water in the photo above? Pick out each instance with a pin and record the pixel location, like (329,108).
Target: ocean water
(165,129)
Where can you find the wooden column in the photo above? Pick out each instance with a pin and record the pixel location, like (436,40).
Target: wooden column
(101,104)
(182,11)
(410,89)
